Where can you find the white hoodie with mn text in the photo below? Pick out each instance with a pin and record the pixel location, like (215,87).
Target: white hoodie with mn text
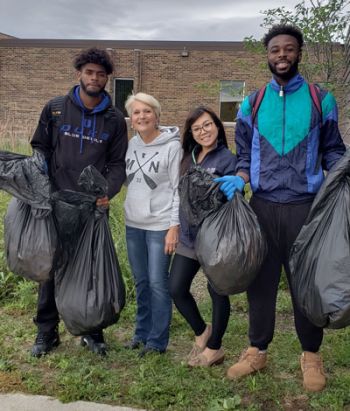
(152,178)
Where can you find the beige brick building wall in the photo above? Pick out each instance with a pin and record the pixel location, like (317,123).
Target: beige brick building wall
(33,71)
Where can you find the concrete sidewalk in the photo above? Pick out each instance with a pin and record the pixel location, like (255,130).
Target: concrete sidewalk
(22,402)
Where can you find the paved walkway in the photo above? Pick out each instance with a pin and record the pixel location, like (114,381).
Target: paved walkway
(22,402)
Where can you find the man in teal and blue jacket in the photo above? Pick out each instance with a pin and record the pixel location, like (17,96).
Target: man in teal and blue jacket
(286,135)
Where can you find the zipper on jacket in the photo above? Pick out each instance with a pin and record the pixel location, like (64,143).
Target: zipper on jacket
(284,121)
(283,134)
(281,93)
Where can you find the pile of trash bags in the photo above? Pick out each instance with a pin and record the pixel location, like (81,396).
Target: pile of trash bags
(229,245)
(320,256)
(65,236)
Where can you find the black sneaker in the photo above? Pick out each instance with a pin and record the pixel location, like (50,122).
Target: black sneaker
(45,342)
(95,343)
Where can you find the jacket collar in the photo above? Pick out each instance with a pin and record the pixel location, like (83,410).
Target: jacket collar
(197,148)
(293,84)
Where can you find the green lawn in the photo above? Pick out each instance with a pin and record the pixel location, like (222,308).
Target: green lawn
(164,382)
(161,382)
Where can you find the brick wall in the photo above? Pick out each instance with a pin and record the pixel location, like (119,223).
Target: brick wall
(31,75)
(33,71)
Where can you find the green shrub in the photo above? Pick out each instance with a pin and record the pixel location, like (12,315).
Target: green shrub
(117,224)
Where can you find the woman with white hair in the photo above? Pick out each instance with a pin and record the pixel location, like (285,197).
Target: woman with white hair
(152,218)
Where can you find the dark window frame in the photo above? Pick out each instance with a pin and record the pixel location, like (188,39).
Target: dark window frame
(119,100)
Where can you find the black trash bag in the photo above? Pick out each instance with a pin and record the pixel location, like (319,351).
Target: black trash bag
(230,247)
(199,195)
(26,178)
(89,288)
(29,227)
(92,182)
(320,256)
(30,241)
(72,210)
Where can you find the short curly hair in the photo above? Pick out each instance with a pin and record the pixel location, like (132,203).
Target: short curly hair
(288,29)
(95,56)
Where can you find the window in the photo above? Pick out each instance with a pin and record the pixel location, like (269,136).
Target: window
(123,87)
(231,95)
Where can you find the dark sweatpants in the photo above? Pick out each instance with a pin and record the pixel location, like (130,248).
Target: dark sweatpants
(47,315)
(281,224)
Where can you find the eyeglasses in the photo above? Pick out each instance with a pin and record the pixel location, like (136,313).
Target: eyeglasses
(197,130)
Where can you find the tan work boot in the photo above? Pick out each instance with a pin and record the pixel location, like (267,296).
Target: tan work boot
(251,360)
(313,373)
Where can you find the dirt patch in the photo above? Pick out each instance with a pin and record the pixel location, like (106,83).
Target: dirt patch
(10,382)
(299,403)
(199,287)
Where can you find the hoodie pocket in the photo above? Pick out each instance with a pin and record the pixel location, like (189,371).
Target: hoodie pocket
(160,203)
(137,208)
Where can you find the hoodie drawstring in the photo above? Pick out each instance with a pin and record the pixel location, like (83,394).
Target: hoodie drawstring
(102,106)
(82,130)
(93,128)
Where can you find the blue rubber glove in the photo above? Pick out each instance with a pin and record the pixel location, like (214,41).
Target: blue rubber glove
(230,184)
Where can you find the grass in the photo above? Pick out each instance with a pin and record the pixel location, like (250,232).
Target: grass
(164,382)
(161,382)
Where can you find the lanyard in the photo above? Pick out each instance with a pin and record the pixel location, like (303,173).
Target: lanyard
(193,156)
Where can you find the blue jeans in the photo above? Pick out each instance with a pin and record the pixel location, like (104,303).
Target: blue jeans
(150,268)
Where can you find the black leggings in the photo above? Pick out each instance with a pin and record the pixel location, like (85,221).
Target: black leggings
(183,271)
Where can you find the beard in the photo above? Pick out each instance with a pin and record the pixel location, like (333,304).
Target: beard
(89,92)
(293,70)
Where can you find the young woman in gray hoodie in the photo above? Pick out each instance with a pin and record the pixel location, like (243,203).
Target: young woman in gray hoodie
(152,218)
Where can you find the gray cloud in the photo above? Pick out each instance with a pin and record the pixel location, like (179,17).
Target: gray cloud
(207,20)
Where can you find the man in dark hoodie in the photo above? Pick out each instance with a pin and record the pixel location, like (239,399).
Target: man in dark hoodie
(74,131)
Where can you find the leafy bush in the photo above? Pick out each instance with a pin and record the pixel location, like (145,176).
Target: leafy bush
(117,224)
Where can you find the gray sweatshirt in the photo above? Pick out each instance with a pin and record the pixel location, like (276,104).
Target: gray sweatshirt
(152,170)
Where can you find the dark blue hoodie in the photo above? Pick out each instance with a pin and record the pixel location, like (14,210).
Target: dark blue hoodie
(83,137)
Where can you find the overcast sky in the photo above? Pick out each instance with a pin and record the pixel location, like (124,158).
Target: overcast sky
(199,20)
